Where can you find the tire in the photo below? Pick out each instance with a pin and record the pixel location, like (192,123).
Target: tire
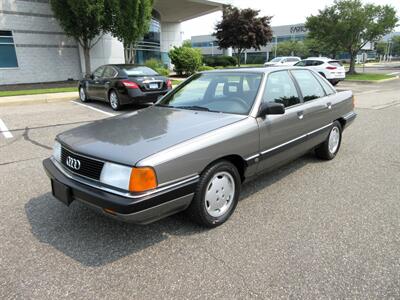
(325,150)
(82,94)
(216,196)
(114,100)
(334,82)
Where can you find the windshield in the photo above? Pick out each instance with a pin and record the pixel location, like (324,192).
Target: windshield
(277,59)
(217,92)
(139,71)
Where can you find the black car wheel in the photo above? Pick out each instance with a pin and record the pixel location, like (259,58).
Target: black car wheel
(114,100)
(328,149)
(82,94)
(217,195)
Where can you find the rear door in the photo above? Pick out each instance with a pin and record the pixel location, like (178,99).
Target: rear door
(281,136)
(108,77)
(317,104)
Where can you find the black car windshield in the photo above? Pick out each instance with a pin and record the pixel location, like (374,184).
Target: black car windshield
(139,71)
(217,92)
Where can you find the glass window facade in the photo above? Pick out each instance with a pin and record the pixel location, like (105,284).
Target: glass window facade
(8,55)
(150,46)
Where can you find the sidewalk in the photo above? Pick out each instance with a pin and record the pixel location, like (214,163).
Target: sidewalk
(41,98)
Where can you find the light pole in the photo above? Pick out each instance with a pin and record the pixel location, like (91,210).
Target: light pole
(276,44)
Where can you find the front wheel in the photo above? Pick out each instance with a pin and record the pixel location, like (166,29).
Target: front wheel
(328,149)
(82,94)
(114,101)
(217,195)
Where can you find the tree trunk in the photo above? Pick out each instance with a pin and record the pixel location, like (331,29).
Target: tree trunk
(352,69)
(130,52)
(86,54)
(238,58)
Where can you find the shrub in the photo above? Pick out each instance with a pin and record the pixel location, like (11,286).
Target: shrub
(162,71)
(221,61)
(186,60)
(153,64)
(205,68)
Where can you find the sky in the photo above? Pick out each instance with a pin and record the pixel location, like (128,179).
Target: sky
(284,12)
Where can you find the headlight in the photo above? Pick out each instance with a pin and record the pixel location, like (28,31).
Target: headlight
(57,151)
(129,179)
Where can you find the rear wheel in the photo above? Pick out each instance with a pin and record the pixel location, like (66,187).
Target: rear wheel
(217,195)
(82,94)
(328,149)
(334,82)
(114,100)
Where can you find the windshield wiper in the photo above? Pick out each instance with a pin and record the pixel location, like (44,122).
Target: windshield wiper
(194,107)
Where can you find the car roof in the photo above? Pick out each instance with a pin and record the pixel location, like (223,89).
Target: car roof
(320,58)
(261,70)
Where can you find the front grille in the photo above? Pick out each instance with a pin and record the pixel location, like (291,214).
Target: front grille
(81,165)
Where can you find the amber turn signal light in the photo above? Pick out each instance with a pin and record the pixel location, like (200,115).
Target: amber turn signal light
(142,179)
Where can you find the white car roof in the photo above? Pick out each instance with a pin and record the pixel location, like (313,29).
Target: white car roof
(320,58)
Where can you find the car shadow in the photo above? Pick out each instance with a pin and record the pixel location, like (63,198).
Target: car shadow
(94,240)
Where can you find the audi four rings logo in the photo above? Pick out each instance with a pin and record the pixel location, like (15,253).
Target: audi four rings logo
(73,163)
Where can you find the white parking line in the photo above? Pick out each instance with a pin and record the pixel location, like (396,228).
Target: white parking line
(4,130)
(394,73)
(95,109)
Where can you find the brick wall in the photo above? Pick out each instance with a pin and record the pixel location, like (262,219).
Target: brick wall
(44,52)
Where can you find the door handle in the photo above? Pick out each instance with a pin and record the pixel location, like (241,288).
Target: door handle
(300,115)
(329,105)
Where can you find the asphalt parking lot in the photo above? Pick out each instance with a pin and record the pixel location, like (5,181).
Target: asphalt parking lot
(311,229)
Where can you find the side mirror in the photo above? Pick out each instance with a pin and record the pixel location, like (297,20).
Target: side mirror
(271,108)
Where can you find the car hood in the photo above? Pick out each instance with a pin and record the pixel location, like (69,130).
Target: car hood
(131,137)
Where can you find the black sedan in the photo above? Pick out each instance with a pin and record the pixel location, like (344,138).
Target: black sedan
(124,84)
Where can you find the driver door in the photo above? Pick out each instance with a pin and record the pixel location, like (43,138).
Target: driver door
(94,85)
(281,135)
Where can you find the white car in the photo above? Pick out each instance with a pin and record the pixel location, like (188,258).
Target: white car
(329,68)
(283,61)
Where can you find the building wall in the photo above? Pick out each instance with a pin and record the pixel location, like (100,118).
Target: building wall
(108,50)
(44,52)
(280,33)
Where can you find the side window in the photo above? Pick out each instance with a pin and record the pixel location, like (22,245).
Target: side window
(99,72)
(281,89)
(109,72)
(8,56)
(309,85)
(329,90)
(301,63)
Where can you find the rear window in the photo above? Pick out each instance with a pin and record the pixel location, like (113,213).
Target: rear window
(335,63)
(139,71)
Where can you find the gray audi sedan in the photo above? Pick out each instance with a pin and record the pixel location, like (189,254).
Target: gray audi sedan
(197,145)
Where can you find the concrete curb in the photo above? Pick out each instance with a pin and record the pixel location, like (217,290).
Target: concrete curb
(372,81)
(38,99)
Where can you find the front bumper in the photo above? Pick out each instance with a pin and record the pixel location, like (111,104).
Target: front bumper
(139,209)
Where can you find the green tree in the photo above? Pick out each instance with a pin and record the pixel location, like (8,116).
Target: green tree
(187,43)
(242,29)
(351,25)
(186,60)
(84,20)
(381,47)
(130,21)
(288,48)
(396,45)
(317,47)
